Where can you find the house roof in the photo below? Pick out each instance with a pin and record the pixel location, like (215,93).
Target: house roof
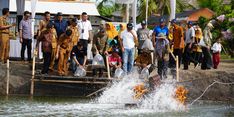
(180,16)
(69,8)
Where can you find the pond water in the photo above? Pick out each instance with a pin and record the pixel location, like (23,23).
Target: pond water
(112,103)
(61,106)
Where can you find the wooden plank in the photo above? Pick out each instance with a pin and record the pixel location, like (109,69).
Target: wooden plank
(69,81)
(177,69)
(33,73)
(108,67)
(8,77)
(71,78)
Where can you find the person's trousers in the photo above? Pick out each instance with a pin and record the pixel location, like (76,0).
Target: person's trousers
(62,63)
(74,65)
(26,43)
(216,59)
(47,58)
(53,57)
(128,59)
(197,56)
(187,56)
(4,47)
(162,68)
(176,52)
(206,60)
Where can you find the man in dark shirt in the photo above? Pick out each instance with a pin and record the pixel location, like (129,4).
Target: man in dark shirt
(79,56)
(60,25)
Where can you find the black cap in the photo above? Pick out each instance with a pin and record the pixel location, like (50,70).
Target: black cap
(129,25)
(59,14)
(79,43)
(49,25)
(74,20)
(68,32)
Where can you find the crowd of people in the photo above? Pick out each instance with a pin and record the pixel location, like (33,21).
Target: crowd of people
(67,42)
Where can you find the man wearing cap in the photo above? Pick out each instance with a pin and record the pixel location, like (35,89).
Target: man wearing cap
(63,51)
(128,40)
(25,31)
(60,25)
(178,40)
(189,40)
(100,42)
(75,32)
(161,45)
(207,59)
(142,34)
(4,35)
(46,37)
(85,30)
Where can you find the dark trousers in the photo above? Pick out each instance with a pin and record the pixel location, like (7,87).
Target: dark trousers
(197,56)
(206,60)
(176,52)
(187,57)
(162,68)
(84,42)
(26,43)
(46,65)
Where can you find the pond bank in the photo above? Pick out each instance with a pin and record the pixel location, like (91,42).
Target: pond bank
(195,80)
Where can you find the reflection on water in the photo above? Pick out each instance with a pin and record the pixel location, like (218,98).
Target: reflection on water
(61,106)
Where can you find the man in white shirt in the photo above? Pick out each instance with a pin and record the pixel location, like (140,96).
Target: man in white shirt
(189,40)
(85,30)
(128,42)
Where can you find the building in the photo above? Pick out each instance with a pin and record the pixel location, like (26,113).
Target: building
(192,15)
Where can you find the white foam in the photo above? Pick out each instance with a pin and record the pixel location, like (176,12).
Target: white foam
(160,100)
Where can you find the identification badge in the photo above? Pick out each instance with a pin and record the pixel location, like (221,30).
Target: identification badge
(82,31)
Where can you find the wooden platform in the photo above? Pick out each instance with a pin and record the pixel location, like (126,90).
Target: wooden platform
(72,79)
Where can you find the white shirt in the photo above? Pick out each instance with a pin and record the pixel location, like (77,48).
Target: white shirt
(86,27)
(189,34)
(216,47)
(128,39)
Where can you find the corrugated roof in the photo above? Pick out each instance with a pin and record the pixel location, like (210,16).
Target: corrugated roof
(71,8)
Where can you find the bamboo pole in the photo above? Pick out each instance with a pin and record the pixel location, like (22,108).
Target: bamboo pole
(33,73)
(177,69)
(108,67)
(94,93)
(8,77)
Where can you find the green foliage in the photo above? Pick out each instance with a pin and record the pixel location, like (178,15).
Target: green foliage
(202,21)
(214,5)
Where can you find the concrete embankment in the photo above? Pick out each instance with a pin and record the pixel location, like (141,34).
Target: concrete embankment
(195,80)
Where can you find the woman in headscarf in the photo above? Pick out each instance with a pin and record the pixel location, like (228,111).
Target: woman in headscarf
(111,33)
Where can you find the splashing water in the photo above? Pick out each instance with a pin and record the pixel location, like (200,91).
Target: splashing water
(162,99)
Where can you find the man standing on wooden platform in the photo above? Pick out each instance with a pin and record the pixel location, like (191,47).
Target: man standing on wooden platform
(4,35)
(46,38)
(63,52)
(25,29)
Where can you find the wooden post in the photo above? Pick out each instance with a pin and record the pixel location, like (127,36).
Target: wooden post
(33,72)
(108,67)
(8,77)
(177,69)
